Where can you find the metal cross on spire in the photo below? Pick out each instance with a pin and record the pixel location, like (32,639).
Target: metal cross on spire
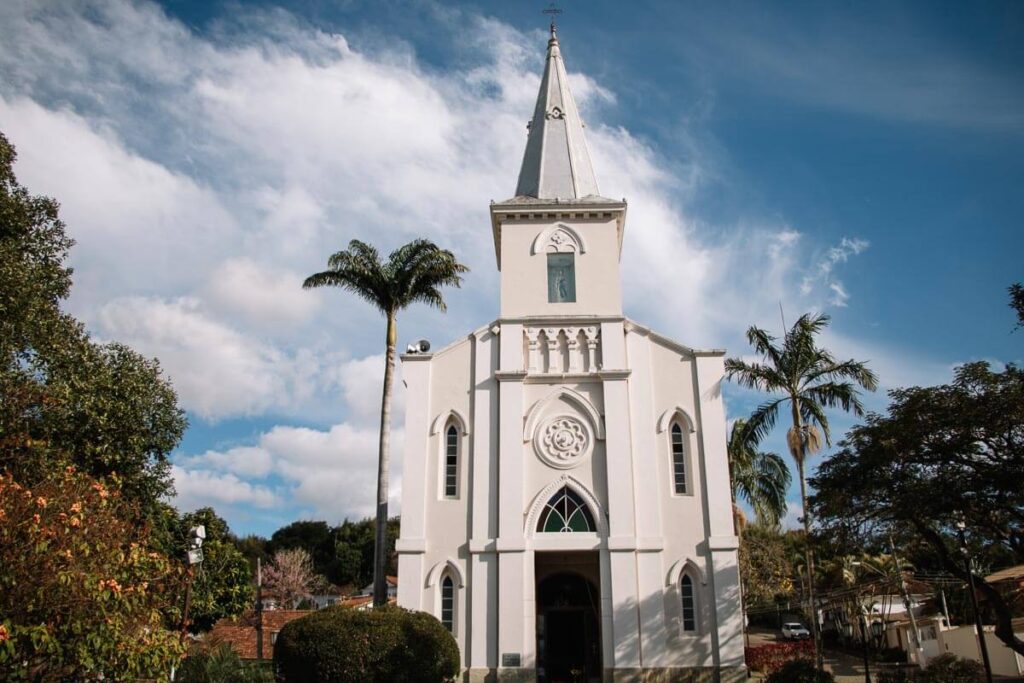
(554,12)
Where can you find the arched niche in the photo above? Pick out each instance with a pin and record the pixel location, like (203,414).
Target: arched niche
(681,566)
(453,416)
(680,413)
(560,238)
(439,569)
(539,411)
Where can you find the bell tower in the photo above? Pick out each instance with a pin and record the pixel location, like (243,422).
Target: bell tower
(558,241)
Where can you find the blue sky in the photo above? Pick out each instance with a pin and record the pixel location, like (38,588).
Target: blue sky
(857,159)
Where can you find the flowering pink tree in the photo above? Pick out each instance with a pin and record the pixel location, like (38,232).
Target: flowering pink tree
(291,577)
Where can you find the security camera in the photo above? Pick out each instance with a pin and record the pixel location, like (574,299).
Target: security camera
(420,346)
(199,531)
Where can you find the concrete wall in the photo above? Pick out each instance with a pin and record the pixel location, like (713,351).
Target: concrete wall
(962,641)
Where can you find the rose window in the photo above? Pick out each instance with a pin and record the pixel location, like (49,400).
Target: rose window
(564,442)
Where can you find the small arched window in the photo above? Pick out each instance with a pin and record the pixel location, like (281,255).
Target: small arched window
(678,460)
(451,462)
(448,603)
(689,604)
(566,512)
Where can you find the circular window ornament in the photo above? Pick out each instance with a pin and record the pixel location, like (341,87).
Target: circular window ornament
(564,442)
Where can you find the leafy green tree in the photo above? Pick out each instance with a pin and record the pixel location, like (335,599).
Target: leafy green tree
(316,538)
(1017,302)
(766,569)
(252,547)
(759,478)
(808,379)
(65,400)
(222,586)
(942,455)
(413,273)
(354,551)
(82,597)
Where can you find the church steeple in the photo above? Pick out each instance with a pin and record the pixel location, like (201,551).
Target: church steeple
(556,164)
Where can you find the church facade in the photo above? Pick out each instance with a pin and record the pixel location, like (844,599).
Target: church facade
(566,510)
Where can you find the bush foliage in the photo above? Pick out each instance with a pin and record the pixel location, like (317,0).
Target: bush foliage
(945,669)
(800,671)
(773,656)
(80,594)
(221,665)
(341,645)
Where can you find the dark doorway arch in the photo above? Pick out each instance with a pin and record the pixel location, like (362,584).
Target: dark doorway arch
(568,629)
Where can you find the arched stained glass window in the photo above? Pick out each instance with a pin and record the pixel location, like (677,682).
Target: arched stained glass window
(678,459)
(566,512)
(451,462)
(448,603)
(689,606)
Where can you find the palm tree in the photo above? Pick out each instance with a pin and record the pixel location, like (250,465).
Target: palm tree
(413,273)
(810,380)
(761,479)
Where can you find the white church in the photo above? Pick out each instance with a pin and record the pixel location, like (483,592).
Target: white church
(565,500)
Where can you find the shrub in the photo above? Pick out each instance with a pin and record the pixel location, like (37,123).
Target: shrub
(342,645)
(221,665)
(945,669)
(951,669)
(800,671)
(771,657)
(896,676)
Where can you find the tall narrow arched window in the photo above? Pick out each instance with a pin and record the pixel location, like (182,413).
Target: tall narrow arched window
(448,603)
(689,603)
(451,462)
(678,460)
(566,512)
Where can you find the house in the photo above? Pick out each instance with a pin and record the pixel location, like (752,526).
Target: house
(392,582)
(240,633)
(566,508)
(937,637)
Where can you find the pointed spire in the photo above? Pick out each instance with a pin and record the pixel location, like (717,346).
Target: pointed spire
(556,164)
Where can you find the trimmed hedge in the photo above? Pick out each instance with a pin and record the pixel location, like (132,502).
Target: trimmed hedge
(344,645)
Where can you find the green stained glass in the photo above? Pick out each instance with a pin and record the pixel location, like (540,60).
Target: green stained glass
(566,512)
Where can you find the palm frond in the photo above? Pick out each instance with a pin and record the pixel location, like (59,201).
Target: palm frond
(846,370)
(753,375)
(764,344)
(762,420)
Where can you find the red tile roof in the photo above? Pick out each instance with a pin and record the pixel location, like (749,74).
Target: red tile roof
(240,633)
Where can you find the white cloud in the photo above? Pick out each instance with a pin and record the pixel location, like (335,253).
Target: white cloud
(267,296)
(198,488)
(794,515)
(216,370)
(329,474)
(247,461)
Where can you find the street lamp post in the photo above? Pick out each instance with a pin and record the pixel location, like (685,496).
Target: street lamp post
(848,631)
(194,554)
(961,529)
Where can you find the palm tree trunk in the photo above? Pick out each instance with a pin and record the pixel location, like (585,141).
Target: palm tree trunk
(380,586)
(808,553)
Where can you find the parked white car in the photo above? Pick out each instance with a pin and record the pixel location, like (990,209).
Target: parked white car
(795,631)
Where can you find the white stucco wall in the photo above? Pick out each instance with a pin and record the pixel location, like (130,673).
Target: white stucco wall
(623,385)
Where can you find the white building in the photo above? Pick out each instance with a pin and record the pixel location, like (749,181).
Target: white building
(565,499)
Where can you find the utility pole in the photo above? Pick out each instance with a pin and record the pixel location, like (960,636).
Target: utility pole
(982,645)
(259,609)
(908,604)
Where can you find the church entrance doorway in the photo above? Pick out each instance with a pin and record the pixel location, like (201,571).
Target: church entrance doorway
(568,617)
